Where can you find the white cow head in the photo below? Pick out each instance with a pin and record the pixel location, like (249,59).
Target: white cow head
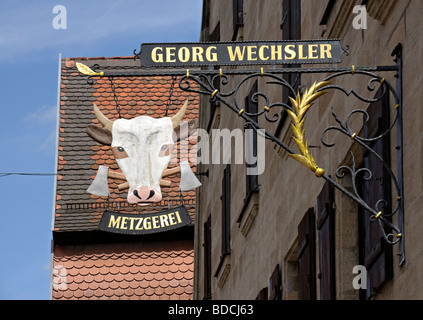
(142,147)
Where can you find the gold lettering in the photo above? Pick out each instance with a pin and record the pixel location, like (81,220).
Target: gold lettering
(312,51)
(172,218)
(197,54)
(183,54)
(276,50)
(170,54)
(123,223)
(261,53)
(325,51)
(147,224)
(157,57)
(178,217)
(290,51)
(237,54)
(164,221)
(300,52)
(251,50)
(114,223)
(131,226)
(211,56)
(138,227)
(156,222)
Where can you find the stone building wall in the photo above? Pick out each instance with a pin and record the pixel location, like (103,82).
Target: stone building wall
(267,235)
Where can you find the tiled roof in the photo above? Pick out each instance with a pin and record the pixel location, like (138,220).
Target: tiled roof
(79,156)
(151,270)
(130,269)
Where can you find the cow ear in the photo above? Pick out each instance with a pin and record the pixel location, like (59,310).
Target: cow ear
(100,134)
(185,129)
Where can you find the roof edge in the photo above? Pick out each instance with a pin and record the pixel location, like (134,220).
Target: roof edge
(59,83)
(98,58)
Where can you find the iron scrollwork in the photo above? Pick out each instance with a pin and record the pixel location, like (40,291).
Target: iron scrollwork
(297,110)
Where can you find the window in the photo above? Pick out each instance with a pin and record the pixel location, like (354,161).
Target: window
(226,228)
(238,16)
(275,292)
(291,20)
(374,253)
(291,30)
(291,283)
(251,203)
(275,287)
(207,259)
(214,36)
(226,211)
(326,235)
(306,257)
(327,12)
(251,145)
(262,295)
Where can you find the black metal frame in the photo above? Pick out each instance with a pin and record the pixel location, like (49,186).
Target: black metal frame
(205,80)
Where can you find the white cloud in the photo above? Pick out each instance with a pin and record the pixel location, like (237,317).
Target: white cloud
(46,266)
(41,115)
(41,128)
(49,144)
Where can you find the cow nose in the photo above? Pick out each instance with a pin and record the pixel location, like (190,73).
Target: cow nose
(144,194)
(136,194)
(152,193)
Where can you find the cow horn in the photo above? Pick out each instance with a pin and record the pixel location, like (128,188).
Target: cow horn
(105,122)
(177,118)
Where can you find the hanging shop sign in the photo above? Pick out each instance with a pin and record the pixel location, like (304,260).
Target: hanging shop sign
(264,52)
(241,53)
(142,147)
(124,223)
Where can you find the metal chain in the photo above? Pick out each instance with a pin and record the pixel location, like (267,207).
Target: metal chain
(170,94)
(112,85)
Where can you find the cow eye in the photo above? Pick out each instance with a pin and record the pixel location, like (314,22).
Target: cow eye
(119,152)
(165,150)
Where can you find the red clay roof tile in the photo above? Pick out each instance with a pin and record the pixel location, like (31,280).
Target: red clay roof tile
(159,282)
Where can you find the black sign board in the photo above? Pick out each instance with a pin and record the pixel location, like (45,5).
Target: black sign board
(240,53)
(144,223)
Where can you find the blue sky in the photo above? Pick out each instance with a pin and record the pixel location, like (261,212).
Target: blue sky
(29,53)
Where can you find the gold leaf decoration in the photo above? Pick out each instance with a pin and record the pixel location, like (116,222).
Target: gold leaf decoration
(85,70)
(301,106)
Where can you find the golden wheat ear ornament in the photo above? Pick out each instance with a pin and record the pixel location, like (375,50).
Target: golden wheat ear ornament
(300,107)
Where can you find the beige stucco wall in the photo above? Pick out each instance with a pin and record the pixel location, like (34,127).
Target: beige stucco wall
(288,189)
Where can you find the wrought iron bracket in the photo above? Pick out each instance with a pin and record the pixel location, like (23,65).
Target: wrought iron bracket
(205,81)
